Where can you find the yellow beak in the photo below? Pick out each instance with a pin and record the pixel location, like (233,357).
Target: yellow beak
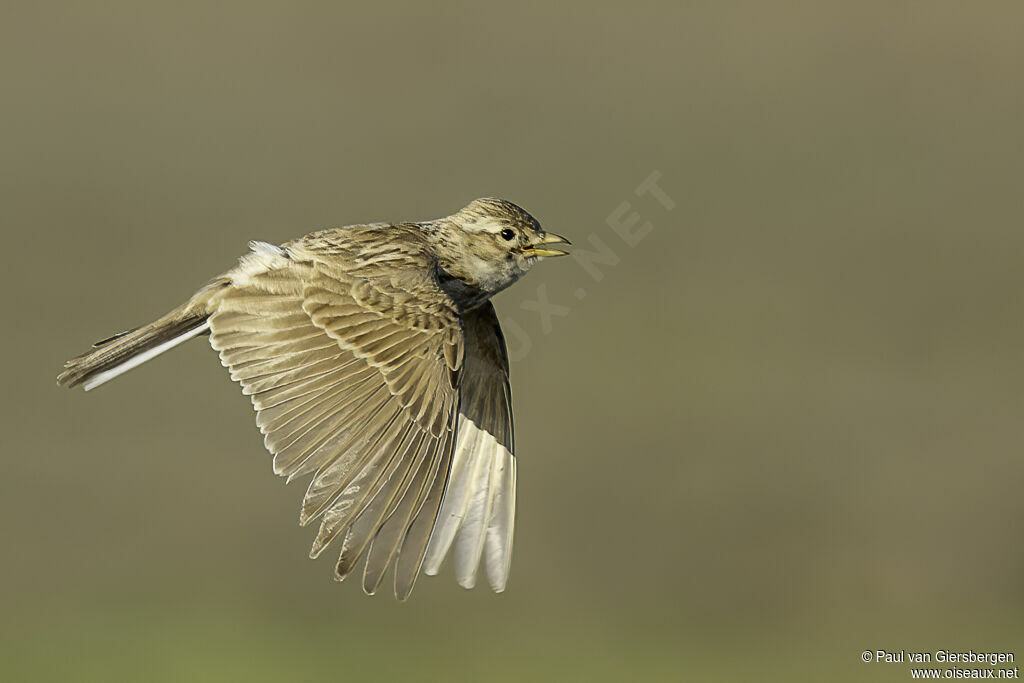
(541,248)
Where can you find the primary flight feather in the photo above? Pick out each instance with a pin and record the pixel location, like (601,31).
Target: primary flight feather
(375,362)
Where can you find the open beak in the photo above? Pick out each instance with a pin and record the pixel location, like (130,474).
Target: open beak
(542,246)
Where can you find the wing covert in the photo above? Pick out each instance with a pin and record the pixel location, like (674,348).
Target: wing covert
(353,372)
(477,517)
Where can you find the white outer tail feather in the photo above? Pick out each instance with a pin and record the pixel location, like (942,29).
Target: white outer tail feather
(477,513)
(135,361)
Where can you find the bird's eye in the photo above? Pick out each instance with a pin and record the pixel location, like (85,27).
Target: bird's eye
(508,234)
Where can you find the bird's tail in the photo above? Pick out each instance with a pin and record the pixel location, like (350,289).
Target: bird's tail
(126,350)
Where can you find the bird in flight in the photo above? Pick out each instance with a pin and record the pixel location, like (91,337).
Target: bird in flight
(374,360)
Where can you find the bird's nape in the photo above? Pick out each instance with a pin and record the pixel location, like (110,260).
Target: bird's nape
(377,368)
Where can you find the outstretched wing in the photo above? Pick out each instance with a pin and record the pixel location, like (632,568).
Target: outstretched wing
(478,512)
(351,354)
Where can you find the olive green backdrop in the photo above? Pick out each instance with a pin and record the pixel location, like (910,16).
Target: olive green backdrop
(782,428)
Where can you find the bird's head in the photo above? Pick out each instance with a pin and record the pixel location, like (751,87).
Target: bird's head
(491,243)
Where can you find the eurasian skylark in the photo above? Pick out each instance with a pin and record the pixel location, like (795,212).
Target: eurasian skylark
(374,360)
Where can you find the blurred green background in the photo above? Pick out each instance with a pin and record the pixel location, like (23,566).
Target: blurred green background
(784,428)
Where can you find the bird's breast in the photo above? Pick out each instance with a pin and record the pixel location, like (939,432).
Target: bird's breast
(466,296)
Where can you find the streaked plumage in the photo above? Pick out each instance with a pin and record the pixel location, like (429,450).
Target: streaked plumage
(375,361)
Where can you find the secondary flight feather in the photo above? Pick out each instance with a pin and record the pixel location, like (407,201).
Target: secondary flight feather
(375,362)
